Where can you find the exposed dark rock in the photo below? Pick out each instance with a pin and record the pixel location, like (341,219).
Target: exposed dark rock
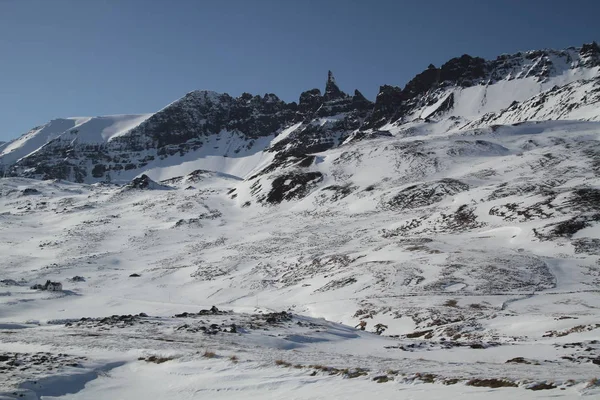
(418,334)
(542,386)
(332,91)
(567,228)
(156,359)
(585,199)
(426,194)
(444,107)
(387,105)
(587,245)
(275,317)
(421,83)
(212,311)
(306,161)
(518,360)
(117,321)
(360,102)
(591,53)
(142,183)
(292,186)
(336,284)
(491,383)
(29,191)
(464,70)
(310,101)
(381,379)
(99,170)
(340,191)
(49,286)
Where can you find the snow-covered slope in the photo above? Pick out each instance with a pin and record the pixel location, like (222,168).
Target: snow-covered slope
(60,134)
(477,250)
(578,100)
(12,151)
(459,217)
(99,130)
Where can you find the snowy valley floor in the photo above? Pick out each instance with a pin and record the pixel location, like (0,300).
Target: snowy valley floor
(276,355)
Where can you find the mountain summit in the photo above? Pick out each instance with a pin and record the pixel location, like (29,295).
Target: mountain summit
(332,91)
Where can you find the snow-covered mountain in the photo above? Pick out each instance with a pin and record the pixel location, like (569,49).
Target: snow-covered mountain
(207,130)
(460,214)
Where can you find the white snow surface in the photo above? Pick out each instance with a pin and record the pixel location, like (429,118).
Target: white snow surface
(103,129)
(463,284)
(34,139)
(88,130)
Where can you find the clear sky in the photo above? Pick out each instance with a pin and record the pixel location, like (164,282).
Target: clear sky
(63,58)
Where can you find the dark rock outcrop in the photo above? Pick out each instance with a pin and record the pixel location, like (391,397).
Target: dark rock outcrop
(332,91)
(310,101)
(590,53)
(387,106)
(292,186)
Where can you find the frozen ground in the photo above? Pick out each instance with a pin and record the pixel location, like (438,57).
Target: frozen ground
(477,249)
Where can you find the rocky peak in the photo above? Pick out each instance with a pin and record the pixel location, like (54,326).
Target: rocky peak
(201,96)
(360,102)
(310,101)
(246,97)
(590,54)
(143,182)
(332,91)
(271,98)
(336,102)
(589,48)
(387,104)
(464,70)
(422,82)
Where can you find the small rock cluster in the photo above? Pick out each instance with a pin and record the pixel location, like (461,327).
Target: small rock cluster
(118,321)
(49,286)
(212,311)
(211,329)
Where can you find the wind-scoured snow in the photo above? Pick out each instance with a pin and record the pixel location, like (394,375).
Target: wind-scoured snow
(34,139)
(103,129)
(92,130)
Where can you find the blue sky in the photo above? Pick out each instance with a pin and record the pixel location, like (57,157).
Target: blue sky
(94,57)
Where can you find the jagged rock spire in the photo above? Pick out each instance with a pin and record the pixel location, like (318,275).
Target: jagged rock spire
(332,91)
(360,102)
(330,77)
(359,96)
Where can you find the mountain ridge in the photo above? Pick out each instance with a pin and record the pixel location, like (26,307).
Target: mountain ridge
(465,91)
